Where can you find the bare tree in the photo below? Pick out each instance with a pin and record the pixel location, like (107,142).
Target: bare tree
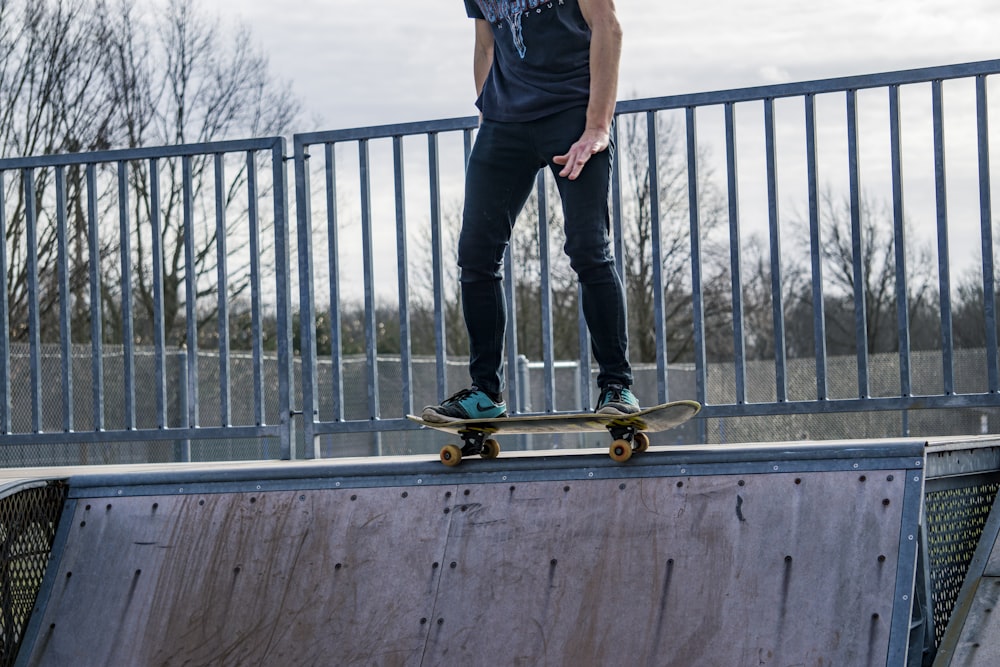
(969,316)
(50,64)
(878,267)
(179,78)
(84,75)
(674,239)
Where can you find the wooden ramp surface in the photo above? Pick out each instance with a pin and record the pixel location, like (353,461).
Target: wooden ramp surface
(774,555)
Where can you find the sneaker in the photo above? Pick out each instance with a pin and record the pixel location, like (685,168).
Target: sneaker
(616,400)
(472,403)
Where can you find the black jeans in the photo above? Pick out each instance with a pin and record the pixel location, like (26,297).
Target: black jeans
(502,169)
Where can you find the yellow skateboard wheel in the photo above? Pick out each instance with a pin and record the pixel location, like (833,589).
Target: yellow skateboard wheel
(491,449)
(641,442)
(621,450)
(451,455)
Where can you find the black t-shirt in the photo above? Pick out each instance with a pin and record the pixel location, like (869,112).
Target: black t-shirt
(541,58)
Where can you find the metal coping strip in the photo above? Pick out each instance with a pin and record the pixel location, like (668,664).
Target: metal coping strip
(563,466)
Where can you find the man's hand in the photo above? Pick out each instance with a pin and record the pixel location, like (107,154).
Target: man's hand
(592,141)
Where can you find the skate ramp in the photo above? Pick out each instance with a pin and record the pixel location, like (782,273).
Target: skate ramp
(770,555)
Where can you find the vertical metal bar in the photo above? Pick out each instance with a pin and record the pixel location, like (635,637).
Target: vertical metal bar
(128,335)
(739,339)
(777,302)
(159,336)
(402,265)
(697,279)
(986,225)
(544,256)
(307,309)
(899,243)
(517,392)
(283,297)
(190,294)
(96,308)
(944,260)
(616,209)
(368,272)
(815,250)
(5,422)
(437,266)
(857,246)
(65,324)
(333,258)
(34,336)
(222,292)
(182,446)
(257,342)
(659,325)
(583,335)
(467,145)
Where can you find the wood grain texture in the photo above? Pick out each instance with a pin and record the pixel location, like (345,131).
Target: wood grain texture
(762,569)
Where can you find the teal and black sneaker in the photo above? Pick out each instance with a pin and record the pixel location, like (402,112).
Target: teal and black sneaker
(472,403)
(616,400)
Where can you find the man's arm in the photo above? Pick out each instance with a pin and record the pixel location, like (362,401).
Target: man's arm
(482,58)
(605,56)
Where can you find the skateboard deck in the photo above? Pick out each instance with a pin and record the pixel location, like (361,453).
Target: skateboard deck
(628,431)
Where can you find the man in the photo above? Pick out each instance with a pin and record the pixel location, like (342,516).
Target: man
(547,77)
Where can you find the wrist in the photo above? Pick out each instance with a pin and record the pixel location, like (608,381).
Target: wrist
(599,123)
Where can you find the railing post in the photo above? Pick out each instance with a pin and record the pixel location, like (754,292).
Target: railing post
(182,448)
(307,314)
(282,259)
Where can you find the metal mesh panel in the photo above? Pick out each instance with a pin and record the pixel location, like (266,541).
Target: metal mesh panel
(28,520)
(955,521)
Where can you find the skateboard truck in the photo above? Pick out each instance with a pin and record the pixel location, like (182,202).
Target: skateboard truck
(628,439)
(475,442)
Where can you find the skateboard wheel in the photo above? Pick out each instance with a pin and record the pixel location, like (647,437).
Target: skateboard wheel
(621,450)
(640,442)
(451,455)
(491,449)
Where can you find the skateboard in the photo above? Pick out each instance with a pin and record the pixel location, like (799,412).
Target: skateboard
(627,431)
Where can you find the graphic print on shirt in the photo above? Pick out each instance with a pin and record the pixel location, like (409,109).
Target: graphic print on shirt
(512,11)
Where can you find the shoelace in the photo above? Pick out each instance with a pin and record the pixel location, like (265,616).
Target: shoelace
(615,392)
(460,395)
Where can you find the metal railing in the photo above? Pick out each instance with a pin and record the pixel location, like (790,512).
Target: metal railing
(848,89)
(90,240)
(760,102)
(145,238)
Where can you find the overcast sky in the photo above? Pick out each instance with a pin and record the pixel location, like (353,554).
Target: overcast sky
(358,63)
